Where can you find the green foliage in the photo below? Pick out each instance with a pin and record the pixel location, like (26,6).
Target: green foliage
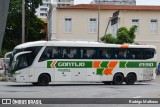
(33,24)
(132,32)
(123,36)
(2,53)
(4,79)
(109,38)
(0,74)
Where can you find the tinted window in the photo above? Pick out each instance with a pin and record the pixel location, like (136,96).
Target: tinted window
(88,53)
(105,53)
(50,53)
(136,53)
(148,53)
(69,53)
(96,53)
(120,53)
(34,51)
(23,61)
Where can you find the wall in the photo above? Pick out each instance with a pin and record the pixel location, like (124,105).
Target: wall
(4,4)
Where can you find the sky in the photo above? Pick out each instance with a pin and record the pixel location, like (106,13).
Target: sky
(138,2)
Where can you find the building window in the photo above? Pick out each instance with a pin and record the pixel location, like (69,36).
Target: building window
(68,25)
(46,0)
(92,25)
(136,22)
(43,9)
(45,4)
(153,26)
(43,14)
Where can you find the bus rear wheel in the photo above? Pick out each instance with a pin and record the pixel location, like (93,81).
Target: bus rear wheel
(43,80)
(118,79)
(130,79)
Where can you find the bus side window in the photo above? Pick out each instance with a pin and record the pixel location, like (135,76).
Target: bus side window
(84,54)
(135,53)
(55,54)
(88,53)
(133,56)
(94,54)
(122,54)
(115,54)
(45,55)
(105,53)
(49,53)
(65,53)
(74,53)
(148,53)
(69,53)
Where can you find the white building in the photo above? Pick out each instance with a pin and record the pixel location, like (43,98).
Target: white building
(115,2)
(61,3)
(41,12)
(52,14)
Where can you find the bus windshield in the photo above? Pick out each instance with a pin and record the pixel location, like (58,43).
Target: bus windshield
(34,50)
(22,61)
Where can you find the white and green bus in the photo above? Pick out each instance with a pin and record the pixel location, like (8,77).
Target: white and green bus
(48,61)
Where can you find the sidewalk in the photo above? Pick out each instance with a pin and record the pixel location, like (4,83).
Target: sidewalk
(8,78)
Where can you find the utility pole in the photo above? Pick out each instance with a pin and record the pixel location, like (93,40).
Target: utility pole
(23,21)
(98,20)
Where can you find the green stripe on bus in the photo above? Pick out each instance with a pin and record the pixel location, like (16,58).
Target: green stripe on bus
(125,64)
(49,64)
(104,64)
(100,71)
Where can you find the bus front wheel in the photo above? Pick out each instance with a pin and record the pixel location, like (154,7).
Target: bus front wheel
(130,79)
(118,79)
(43,80)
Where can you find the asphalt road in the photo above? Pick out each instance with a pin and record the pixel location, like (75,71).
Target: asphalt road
(80,90)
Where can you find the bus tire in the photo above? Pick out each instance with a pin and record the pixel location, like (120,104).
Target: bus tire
(118,79)
(130,79)
(43,80)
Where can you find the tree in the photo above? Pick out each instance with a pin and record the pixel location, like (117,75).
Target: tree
(109,38)
(123,36)
(14,23)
